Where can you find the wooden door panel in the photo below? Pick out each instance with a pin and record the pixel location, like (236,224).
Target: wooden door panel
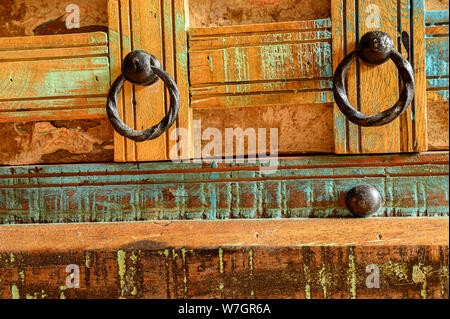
(157,27)
(372,89)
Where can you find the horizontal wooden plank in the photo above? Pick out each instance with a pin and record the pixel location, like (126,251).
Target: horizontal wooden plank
(234,30)
(436,17)
(437,56)
(54,41)
(52,54)
(315,186)
(54,77)
(364,232)
(228,259)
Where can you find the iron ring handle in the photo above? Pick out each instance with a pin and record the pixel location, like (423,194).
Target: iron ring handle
(375,47)
(142,68)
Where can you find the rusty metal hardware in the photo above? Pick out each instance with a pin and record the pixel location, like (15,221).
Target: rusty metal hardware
(375,47)
(363,200)
(142,68)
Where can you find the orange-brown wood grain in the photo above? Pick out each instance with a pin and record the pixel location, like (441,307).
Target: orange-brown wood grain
(228,259)
(213,234)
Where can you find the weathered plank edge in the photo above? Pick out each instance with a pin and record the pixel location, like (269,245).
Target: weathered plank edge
(237,233)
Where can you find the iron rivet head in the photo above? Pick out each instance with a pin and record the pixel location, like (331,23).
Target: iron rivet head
(137,67)
(363,200)
(375,47)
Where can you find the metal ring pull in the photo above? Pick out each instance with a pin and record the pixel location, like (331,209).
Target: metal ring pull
(142,68)
(375,47)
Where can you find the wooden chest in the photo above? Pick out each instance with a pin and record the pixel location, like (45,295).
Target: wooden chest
(247,193)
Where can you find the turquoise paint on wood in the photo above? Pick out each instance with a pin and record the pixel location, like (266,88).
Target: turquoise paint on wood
(437,53)
(414,185)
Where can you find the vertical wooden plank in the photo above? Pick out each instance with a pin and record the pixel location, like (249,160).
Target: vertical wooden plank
(418,52)
(338,47)
(128,88)
(406,119)
(115,60)
(150,102)
(353,74)
(180,18)
(379,84)
(169,62)
(377,87)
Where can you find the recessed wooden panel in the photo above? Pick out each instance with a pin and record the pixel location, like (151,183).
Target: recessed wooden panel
(157,27)
(372,89)
(275,75)
(55,77)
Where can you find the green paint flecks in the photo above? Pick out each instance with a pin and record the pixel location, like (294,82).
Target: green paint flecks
(14,292)
(127,278)
(307,282)
(352,275)
(121,261)
(419,275)
(250,264)
(323,281)
(185,280)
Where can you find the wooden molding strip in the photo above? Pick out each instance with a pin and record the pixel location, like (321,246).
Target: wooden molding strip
(228,259)
(314,186)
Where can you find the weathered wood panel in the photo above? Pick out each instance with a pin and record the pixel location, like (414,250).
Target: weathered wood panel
(314,133)
(411,185)
(350,20)
(437,60)
(302,128)
(57,77)
(275,75)
(218,13)
(157,27)
(72,141)
(54,141)
(437,56)
(255,65)
(235,259)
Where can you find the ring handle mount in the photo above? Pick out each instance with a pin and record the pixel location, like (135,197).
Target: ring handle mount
(142,68)
(375,47)
(137,67)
